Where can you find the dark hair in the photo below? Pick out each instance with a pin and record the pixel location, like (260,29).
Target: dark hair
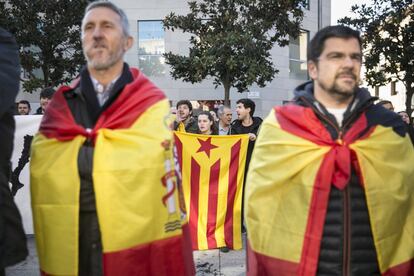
(47,92)
(247,103)
(186,102)
(24,102)
(383,102)
(214,128)
(317,43)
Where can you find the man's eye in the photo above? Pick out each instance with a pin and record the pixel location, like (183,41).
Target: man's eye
(357,58)
(336,56)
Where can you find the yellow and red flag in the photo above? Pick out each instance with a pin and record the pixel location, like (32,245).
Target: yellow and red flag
(212,169)
(294,165)
(137,202)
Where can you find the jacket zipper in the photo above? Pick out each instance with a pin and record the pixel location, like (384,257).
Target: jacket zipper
(347,232)
(325,118)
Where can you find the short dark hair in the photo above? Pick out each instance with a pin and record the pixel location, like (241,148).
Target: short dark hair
(317,43)
(24,102)
(383,102)
(47,93)
(186,102)
(247,103)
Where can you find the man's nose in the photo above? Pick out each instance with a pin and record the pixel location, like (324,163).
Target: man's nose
(348,61)
(97,32)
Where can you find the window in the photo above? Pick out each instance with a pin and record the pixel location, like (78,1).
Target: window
(307,4)
(393,88)
(151,48)
(298,68)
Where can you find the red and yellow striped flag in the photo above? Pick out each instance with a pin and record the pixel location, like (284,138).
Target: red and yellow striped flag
(212,169)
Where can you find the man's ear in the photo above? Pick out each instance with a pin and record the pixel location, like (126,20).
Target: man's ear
(128,43)
(312,69)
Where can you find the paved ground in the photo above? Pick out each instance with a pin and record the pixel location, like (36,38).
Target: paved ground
(210,262)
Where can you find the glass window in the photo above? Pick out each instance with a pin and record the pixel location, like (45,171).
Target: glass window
(298,68)
(151,47)
(307,5)
(393,88)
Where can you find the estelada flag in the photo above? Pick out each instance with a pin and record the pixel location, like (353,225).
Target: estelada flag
(295,163)
(212,169)
(140,221)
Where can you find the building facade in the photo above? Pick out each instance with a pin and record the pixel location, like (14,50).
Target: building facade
(151,41)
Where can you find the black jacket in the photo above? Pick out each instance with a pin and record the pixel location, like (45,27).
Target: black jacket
(238,128)
(347,246)
(12,238)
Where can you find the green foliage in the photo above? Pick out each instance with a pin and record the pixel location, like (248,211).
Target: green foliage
(231,40)
(388,27)
(48,33)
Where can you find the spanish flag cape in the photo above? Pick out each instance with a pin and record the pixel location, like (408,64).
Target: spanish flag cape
(134,183)
(294,165)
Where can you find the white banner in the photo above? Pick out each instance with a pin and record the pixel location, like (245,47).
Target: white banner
(26,127)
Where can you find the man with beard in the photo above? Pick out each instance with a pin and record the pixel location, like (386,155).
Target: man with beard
(103,186)
(23,107)
(185,121)
(327,193)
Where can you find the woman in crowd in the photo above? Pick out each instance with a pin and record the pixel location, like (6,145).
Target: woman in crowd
(206,124)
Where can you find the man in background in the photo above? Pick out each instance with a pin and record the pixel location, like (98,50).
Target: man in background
(246,124)
(225,115)
(45,96)
(386,104)
(185,120)
(23,107)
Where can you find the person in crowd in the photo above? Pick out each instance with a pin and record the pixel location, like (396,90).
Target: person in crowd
(246,124)
(45,97)
(101,176)
(23,107)
(206,124)
(185,121)
(410,128)
(327,193)
(214,114)
(225,115)
(386,104)
(12,237)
